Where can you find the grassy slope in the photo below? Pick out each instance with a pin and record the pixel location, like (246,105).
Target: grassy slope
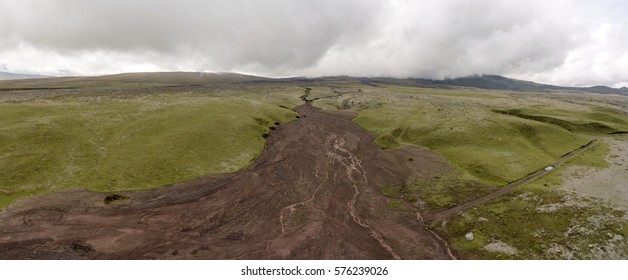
(487,146)
(133,141)
(130,80)
(495,148)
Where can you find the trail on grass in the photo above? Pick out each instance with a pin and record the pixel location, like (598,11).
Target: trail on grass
(507,188)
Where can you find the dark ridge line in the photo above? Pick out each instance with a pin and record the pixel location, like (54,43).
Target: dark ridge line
(566,125)
(40,88)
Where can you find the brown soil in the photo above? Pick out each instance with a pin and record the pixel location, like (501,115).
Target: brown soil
(312,194)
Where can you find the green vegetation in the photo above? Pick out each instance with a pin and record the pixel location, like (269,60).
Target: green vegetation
(592,157)
(540,225)
(134,140)
(405,192)
(129,81)
(489,147)
(148,130)
(492,137)
(592,119)
(445,192)
(394,203)
(391,191)
(589,127)
(543,222)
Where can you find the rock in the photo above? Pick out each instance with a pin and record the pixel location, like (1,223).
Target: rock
(469,236)
(501,247)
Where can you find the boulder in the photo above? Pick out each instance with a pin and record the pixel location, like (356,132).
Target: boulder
(469,236)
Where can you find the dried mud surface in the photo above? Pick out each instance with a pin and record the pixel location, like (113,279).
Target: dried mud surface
(312,194)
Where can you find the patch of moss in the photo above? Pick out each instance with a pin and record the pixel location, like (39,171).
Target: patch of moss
(387,141)
(390,191)
(445,192)
(394,203)
(479,240)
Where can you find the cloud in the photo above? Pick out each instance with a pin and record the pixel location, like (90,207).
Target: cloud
(563,42)
(226,35)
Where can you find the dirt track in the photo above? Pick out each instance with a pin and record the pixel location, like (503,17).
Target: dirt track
(312,194)
(509,187)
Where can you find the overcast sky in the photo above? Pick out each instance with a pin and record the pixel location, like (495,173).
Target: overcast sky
(558,42)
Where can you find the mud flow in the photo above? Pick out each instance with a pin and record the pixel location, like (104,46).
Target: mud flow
(314,193)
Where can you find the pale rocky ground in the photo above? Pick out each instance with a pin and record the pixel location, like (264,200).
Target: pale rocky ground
(605,183)
(500,247)
(599,236)
(608,185)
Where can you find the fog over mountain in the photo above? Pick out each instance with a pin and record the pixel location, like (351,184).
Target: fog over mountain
(18,76)
(569,43)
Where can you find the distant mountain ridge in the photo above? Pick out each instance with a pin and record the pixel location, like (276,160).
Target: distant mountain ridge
(19,76)
(503,83)
(489,82)
(138,79)
(496,82)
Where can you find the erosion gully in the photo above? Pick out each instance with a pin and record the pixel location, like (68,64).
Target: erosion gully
(313,193)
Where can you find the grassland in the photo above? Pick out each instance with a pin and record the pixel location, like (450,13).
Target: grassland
(543,221)
(492,137)
(130,81)
(134,139)
(147,130)
(497,137)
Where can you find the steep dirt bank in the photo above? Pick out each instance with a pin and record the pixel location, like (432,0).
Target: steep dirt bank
(312,194)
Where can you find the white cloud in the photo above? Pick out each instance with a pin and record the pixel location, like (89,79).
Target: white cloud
(561,42)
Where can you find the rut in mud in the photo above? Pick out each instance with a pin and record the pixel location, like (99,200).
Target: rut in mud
(314,193)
